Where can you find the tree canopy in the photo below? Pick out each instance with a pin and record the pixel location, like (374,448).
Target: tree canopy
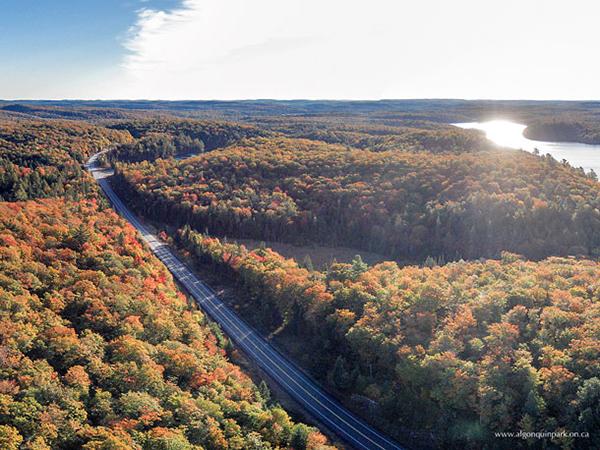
(98,348)
(461,350)
(407,205)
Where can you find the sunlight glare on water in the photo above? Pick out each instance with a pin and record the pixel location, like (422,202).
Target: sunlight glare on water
(510,134)
(506,134)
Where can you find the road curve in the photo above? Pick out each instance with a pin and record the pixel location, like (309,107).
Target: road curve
(351,429)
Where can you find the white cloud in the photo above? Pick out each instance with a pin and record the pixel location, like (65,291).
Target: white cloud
(230,49)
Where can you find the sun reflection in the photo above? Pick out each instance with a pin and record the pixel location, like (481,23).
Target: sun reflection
(501,132)
(504,133)
(510,135)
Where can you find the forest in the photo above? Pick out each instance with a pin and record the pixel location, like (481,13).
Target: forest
(306,118)
(386,132)
(565,129)
(172,138)
(485,319)
(41,159)
(454,347)
(407,205)
(461,350)
(98,348)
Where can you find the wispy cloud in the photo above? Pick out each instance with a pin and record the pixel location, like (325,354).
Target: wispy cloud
(194,35)
(240,48)
(349,49)
(146,43)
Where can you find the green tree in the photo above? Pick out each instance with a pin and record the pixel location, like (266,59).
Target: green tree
(299,439)
(358,266)
(78,237)
(264,392)
(308,264)
(588,404)
(341,377)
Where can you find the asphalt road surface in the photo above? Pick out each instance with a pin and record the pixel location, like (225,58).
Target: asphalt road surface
(290,377)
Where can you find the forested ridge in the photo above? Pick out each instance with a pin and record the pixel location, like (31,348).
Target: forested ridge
(381,133)
(564,129)
(304,118)
(44,159)
(462,350)
(404,204)
(169,138)
(98,349)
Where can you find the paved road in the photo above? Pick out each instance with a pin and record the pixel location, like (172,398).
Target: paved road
(290,377)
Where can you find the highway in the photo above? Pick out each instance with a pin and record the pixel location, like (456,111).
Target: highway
(328,411)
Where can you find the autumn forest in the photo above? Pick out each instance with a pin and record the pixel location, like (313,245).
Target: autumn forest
(98,347)
(482,318)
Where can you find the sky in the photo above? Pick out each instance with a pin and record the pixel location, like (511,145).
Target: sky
(292,49)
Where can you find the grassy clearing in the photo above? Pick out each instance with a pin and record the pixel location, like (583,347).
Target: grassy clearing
(321,256)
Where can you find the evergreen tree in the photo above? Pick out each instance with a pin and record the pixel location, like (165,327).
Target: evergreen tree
(340,376)
(308,264)
(264,392)
(358,267)
(78,237)
(300,437)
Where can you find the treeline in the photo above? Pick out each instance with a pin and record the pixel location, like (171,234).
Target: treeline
(407,205)
(79,112)
(44,159)
(462,351)
(584,130)
(153,146)
(22,183)
(380,134)
(212,134)
(99,350)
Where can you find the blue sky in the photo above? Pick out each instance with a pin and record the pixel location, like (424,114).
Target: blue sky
(51,47)
(351,49)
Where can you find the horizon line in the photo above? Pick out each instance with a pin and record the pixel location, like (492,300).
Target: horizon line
(372,100)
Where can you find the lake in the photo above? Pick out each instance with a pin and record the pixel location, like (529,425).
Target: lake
(510,134)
